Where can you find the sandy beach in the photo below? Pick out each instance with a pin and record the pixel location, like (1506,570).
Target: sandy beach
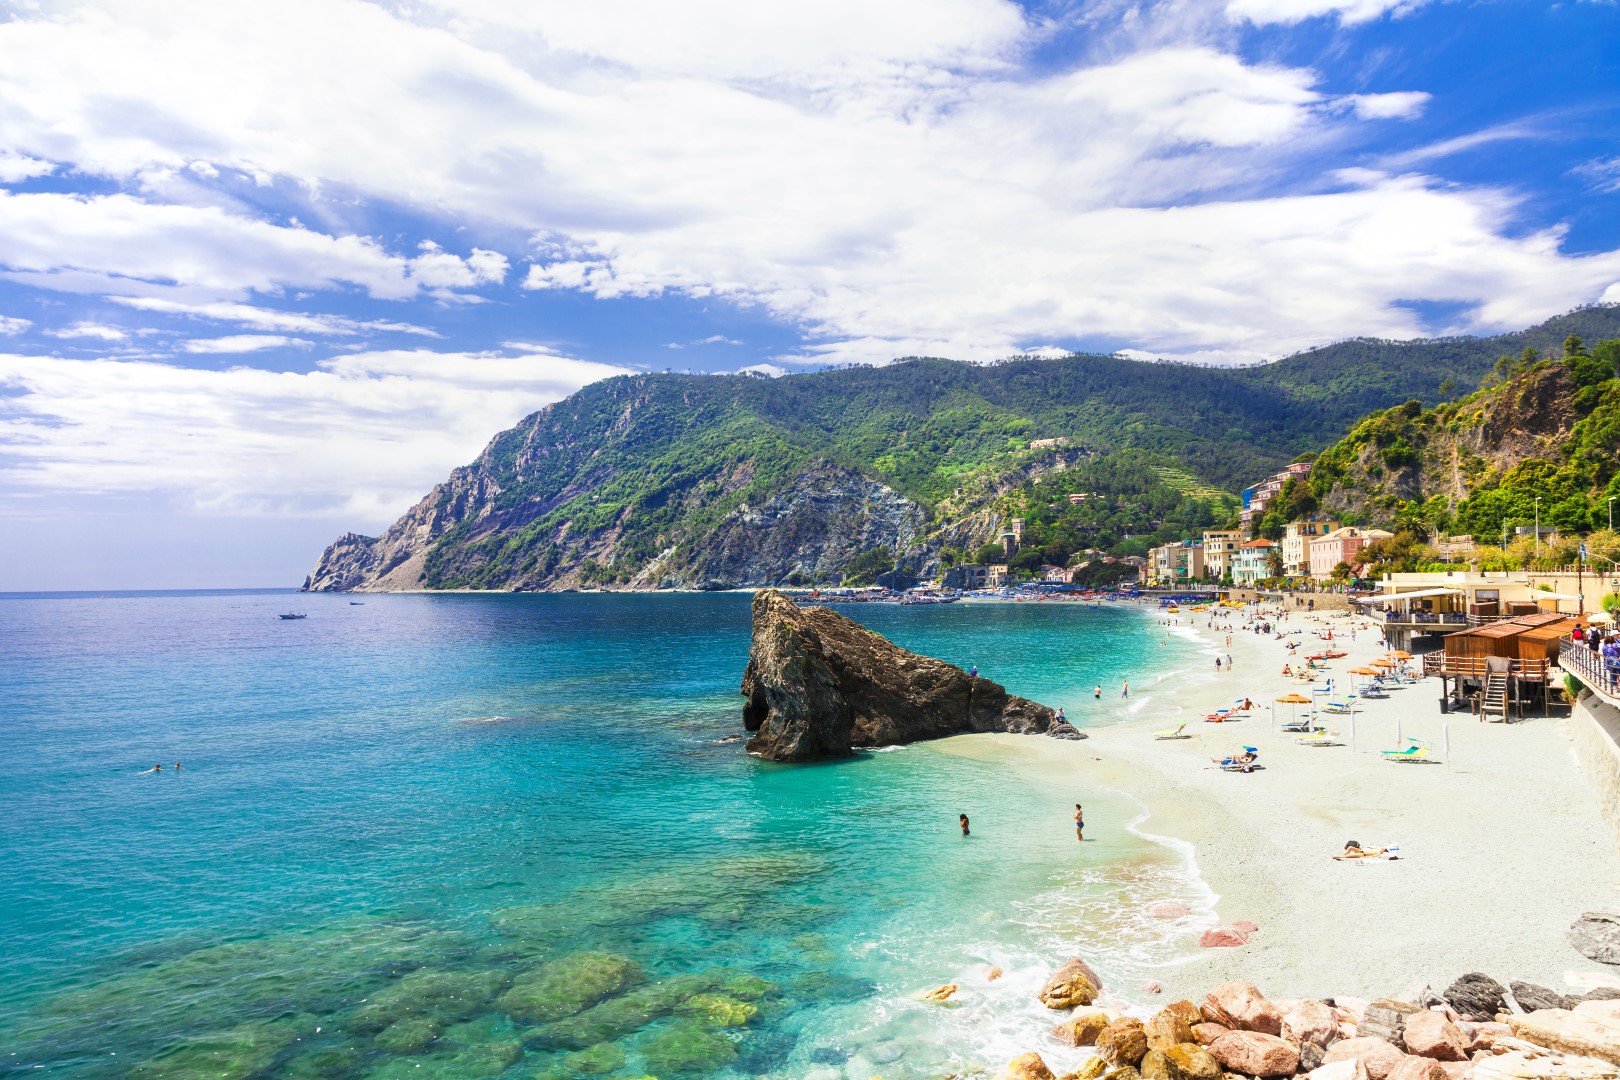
(1501,844)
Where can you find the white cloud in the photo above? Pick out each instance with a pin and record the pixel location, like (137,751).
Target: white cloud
(260,318)
(1404,105)
(97,331)
(365,435)
(1601,175)
(243,343)
(10,325)
(916,186)
(1348,12)
(17,167)
(111,237)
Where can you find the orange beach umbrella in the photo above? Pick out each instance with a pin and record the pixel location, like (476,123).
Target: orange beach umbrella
(1293,701)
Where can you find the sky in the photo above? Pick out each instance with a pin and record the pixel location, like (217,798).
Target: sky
(269,271)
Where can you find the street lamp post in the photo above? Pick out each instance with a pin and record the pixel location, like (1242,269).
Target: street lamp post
(1538,528)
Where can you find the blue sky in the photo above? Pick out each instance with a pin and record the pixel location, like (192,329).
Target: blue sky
(268,272)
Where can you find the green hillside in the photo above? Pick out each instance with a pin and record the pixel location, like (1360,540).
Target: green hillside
(666,480)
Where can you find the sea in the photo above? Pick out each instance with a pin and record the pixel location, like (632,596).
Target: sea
(518,836)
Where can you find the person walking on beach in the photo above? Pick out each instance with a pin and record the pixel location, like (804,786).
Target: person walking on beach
(1079,822)
(962,820)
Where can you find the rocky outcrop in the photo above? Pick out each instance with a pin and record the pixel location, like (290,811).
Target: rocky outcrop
(1596,936)
(819,684)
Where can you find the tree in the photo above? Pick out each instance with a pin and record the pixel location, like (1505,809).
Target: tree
(1342,572)
(989,553)
(864,568)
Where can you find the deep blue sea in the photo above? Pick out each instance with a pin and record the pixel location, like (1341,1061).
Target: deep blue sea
(475,836)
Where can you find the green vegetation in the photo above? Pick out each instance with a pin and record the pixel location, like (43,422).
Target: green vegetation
(637,470)
(1541,438)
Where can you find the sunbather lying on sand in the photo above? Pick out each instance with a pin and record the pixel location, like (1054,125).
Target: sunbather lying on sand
(1353,850)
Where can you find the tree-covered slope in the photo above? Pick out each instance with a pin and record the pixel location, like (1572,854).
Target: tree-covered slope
(665,480)
(1540,428)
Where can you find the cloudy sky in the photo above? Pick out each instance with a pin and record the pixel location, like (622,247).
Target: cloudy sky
(268,271)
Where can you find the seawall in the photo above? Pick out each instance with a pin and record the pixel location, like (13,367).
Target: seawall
(1594,729)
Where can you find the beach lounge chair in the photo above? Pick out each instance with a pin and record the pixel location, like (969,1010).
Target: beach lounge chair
(1321,737)
(1219,716)
(1340,706)
(1173,733)
(1418,753)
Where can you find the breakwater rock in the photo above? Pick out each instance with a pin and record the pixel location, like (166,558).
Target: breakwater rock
(818,685)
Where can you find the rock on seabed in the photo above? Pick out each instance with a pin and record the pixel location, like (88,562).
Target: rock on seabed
(819,684)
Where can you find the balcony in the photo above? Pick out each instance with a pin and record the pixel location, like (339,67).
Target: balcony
(1422,618)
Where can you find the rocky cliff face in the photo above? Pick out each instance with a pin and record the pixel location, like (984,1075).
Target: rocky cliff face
(1404,454)
(818,684)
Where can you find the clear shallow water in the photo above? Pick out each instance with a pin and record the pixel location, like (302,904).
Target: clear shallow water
(426,834)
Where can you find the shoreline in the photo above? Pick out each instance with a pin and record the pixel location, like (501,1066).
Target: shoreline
(1502,846)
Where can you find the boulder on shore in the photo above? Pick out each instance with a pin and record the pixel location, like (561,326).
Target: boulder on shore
(1072,984)
(1027,1067)
(1476,996)
(1429,1034)
(1596,936)
(1254,1053)
(1239,1004)
(1573,1033)
(819,684)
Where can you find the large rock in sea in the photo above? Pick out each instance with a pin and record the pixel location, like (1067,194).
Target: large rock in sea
(819,684)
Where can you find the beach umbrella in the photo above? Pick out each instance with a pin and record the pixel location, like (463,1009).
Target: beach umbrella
(1600,618)
(1400,654)
(1293,701)
(1363,671)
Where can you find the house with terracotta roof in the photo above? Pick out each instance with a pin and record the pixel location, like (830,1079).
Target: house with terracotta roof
(1252,562)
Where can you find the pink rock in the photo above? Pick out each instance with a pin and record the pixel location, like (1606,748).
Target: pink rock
(1413,1067)
(1458,1070)
(1310,1022)
(1606,1009)
(1151,987)
(1223,937)
(1378,1056)
(1238,1004)
(1486,1034)
(1430,1035)
(1207,1032)
(1254,1053)
(1245,927)
(1167,909)
(1339,1070)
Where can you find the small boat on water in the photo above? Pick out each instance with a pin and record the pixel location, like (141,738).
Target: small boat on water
(357,603)
(295,615)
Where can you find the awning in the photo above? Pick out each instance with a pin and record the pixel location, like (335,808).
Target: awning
(1414,594)
(1552,596)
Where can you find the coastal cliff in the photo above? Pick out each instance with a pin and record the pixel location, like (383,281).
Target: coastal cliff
(670,481)
(819,684)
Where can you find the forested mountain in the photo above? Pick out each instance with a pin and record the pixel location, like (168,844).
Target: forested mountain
(708,481)
(1546,428)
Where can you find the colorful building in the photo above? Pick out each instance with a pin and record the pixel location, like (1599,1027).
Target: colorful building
(1253,562)
(1341,546)
(1220,547)
(1296,555)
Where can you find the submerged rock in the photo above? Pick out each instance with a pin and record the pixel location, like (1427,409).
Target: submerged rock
(570,985)
(686,1046)
(819,684)
(1072,984)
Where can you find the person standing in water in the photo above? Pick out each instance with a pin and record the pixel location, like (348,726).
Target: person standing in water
(1097,693)
(962,820)
(1079,822)
(1125,689)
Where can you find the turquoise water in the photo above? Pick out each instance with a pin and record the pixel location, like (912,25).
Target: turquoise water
(478,836)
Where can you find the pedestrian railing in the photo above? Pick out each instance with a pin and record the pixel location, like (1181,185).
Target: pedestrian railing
(1590,668)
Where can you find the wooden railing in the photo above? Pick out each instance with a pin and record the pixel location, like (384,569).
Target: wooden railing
(1477,667)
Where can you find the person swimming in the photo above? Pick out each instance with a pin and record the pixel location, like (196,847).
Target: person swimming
(153,769)
(962,820)
(178,766)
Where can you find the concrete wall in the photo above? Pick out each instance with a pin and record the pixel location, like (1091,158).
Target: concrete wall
(1594,728)
(1293,601)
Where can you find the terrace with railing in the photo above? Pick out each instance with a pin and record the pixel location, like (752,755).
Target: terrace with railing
(1591,669)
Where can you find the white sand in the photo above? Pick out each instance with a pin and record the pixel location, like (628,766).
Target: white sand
(1502,845)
